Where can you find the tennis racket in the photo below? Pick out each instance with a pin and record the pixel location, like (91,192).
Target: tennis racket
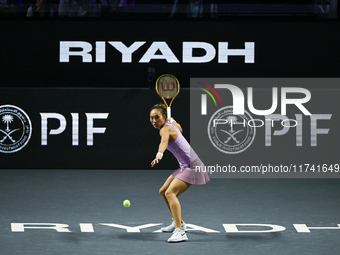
(167,87)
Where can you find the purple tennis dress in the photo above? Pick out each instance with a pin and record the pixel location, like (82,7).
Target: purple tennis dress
(191,166)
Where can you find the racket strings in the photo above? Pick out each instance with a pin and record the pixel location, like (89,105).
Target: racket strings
(167,87)
(168,94)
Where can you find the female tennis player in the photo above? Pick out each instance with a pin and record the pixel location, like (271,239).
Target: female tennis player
(181,179)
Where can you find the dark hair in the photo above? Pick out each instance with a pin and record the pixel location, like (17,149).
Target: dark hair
(161,107)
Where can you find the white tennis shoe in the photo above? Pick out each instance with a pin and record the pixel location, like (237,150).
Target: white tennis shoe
(172,227)
(178,236)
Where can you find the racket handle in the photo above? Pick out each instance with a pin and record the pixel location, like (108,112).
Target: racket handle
(168,114)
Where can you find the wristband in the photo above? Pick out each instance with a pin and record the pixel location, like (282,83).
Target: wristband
(159,154)
(172,121)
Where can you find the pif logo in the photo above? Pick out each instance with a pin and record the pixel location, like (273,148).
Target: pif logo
(230,139)
(233,140)
(15,129)
(231,129)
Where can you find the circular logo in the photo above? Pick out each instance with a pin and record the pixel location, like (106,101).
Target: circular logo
(231,133)
(15,129)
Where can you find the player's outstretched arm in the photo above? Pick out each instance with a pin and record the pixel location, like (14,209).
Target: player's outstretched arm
(165,135)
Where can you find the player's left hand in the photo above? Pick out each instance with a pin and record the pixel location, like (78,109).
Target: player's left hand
(155,161)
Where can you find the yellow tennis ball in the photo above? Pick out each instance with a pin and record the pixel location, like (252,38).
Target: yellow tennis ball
(126,203)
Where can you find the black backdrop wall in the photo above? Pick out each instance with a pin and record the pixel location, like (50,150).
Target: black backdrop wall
(30,51)
(34,79)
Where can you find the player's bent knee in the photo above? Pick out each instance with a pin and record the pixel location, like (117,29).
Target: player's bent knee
(162,192)
(169,194)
